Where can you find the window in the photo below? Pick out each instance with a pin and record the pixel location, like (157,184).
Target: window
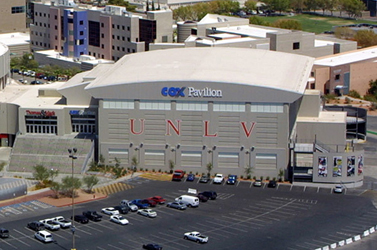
(103,56)
(128,50)
(81,22)
(102,25)
(118,37)
(18,9)
(194,31)
(102,35)
(113,47)
(81,33)
(266,108)
(118,48)
(155,105)
(123,49)
(128,28)
(126,104)
(102,46)
(128,39)
(113,36)
(296,46)
(118,26)
(229,107)
(312,74)
(337,77)
(122,27)
(192,106)
(113,26)
(164,39)
(56,27)
(56,17)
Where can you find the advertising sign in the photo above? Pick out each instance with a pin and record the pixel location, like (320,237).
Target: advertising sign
(360,165)
(350,165)
(322,166)
(337,166)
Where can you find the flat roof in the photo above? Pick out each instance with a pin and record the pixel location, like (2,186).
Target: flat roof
(347,57)
(247,30)
(325,117)
(215,64)
(17,38)
(225,41)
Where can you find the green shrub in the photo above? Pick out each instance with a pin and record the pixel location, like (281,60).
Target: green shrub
(254,177)
(141,169)
(370,98)
(153,170)
(159,170)
(347,100)
(329,97)
(354,94)
(267,178)
(261,178)
(241,176)
(196,173)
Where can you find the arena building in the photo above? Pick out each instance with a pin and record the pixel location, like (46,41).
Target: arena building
(237,109)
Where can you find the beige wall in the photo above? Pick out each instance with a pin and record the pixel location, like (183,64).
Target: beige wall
(12,22)
(310,104)
(321,75)
(361,75)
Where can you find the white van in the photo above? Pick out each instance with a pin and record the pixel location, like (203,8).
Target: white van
(190,201)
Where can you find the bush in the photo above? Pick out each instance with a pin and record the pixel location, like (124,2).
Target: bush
(141,169)
(347,100)
(329,97)
(153,170)
(159,170)
(373,106)
(254,177)
(196,173)
(354,94)
(261,178)
(370,98)
(267,178)
(241,176)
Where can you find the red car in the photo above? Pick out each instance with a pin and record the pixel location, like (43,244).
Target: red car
(151,203)
(157,199)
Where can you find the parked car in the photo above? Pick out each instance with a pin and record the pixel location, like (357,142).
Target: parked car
(158,199)
(178,175)
(62,222)
(338,189)
(119,219)
(140,204)
(202,198)
(151,203)
(257,183)
(50,224)
(152,247)
(272,184)
(92,215)
(36,82)
(129,204)
(204,179)
(80,218)
(122,209)
(44,236)
(36,226)
(195,236)
(177,205)
(232,179)
(190,177)
(219,178)
(212,195)
(4,233)
(190,201)
(110,211)
(147,212)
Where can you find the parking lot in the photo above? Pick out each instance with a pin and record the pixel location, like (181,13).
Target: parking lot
(241,216)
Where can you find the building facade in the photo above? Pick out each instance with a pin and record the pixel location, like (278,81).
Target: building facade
(13,16)
(105,33)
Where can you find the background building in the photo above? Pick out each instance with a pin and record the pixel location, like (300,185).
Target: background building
(13,16)
(105,33)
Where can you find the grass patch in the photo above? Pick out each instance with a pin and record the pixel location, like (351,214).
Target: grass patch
(317,24)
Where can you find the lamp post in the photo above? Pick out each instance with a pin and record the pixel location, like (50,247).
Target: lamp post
(72,152)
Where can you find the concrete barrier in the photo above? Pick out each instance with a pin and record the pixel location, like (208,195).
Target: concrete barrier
(333,246)
(349,241)
(326,248)
(372,230)
(341,243)
(191,191)
(366,233)
(318,249)
(356,238)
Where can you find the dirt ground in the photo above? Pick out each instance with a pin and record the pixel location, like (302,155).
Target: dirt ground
(355,103)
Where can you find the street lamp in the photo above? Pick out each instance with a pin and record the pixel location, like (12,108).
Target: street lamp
(72,152)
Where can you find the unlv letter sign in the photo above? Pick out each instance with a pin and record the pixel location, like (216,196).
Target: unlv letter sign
(175,127)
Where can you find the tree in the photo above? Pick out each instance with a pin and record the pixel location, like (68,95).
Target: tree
(372,88)
(344,33)
(311,4)
(209,168)
(258,21)
(56,188)
(123,3)
(53,174)
(278,5)
(250,5)
(281,174)
(297,5)
(41,174)
(248,172)
(69,185)
(90,181)
(353,7)
(366,38)
(171,166)
(287,24)
(134,163)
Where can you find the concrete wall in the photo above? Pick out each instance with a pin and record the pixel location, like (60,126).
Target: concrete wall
(9,118)
(12,22)
(310,105)
(361,75)
(164,27)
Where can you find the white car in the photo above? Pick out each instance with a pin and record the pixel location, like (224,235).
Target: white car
(110,211)
(338,189)
(44,236)
(119,219)
(50,224)
(195,236)
(147,212)
(219,178)
(62,222)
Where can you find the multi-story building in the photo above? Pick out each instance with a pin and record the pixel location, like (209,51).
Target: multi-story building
(105,33)
(13,16)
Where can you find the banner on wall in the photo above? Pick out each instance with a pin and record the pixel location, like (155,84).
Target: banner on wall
(337,166)
(360,165)
(350,165)
(322,166)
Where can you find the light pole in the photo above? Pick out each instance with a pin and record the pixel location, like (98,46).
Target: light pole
(72,152)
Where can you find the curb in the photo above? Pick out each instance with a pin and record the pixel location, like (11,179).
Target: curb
(80,202)
(350,240)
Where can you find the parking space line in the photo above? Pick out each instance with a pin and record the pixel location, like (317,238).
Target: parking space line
(27,236)
(60,236)
(78,229)
(4,241)
(114,247)
(173,241)
(218,224)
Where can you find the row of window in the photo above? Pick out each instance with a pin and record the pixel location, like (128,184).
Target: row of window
(117,26)
(18,9)
(44,14)
(196,106)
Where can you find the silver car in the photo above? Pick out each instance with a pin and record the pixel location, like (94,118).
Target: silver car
(147,212)
(177,205)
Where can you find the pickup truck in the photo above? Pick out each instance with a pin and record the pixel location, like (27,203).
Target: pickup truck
(50,224)
(195,236)
(92,215)
(62,222)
